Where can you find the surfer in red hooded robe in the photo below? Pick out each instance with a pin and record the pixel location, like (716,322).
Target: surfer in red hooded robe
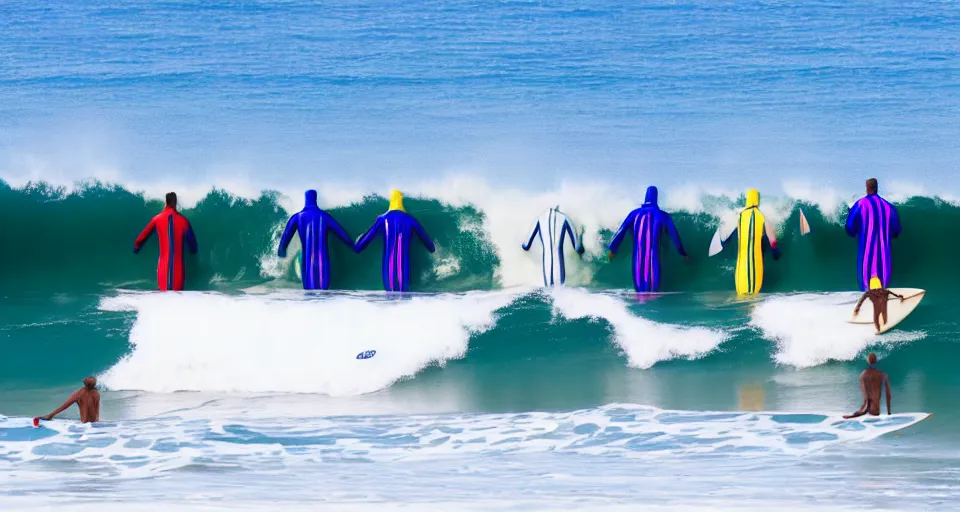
(173,231)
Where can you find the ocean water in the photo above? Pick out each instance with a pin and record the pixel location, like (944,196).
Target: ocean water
(486,392)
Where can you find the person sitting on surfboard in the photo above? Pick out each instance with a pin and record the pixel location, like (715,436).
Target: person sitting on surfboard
(313,224)
(752,231)
(872,382)
(553,228)
(398,228)
(87,399)
(173,231)
(647,224)
(878,295)
(874,221)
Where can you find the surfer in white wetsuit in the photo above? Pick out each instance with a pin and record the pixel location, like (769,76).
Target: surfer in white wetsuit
(872,382)
(553,228)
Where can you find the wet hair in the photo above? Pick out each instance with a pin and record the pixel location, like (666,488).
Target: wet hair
(90,383)
(872,358)
(172,199)
(872,186)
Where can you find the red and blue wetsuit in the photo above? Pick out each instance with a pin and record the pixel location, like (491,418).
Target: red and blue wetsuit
(647,223)
(173,230)
(398,227)
(874,221)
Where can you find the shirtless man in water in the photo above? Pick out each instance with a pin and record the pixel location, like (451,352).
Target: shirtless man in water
(878,296)
(872,382)
(87,399)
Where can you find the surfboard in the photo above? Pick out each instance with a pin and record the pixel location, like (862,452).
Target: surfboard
(896,310)
(366,354)
(804,225)
(715,243)
(727,225)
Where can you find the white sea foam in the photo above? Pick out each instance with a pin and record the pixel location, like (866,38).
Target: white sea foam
(286,343)
(643,341)
(811,329)
(617,429)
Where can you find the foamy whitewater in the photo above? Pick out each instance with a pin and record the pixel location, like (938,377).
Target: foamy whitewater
(480,390)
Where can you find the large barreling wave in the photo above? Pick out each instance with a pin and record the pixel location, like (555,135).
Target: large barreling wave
(80,239)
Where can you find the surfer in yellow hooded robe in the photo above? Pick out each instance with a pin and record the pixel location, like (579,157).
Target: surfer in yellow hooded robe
(752,230)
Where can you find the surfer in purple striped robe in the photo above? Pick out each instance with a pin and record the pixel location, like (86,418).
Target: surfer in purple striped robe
(874,221)
(647,224)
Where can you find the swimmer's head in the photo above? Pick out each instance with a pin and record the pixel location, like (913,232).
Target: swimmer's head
(172,200)
(872,186)
(875,283)
(872,358)
(90,383)
(396,200)
(310,198)
(651,197)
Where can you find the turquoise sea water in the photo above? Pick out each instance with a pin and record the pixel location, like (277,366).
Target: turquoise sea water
(486,393)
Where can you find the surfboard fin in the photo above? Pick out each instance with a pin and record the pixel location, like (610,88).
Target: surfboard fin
(804,225)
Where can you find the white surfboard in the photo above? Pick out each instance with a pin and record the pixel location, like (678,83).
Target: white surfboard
(804,225)
(727,225)
(897,310)
(715,243)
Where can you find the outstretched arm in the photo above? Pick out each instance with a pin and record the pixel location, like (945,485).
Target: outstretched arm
(144,235)
(292,226)
(771,239)
(424,237)
(853,220)
(621,233)
(723,242)
(674,235)
(70,401)
(191,239)
(897,295)
(863,406)
(894,222)
(574,239)
(886,383)
(856,309)
(368,237)
(339,231)
(533,234)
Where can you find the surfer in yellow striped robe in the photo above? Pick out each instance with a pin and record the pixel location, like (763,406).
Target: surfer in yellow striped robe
(752,230)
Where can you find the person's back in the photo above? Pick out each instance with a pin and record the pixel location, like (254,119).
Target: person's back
(874,221)
(397,227)
(873,380)
(311,224)
(87,399)
(553,228)
(872,384)
(173,232)
(879,297)
(647,224)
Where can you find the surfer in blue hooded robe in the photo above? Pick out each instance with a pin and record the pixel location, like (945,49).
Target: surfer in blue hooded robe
(398,228)
(647,224)
(313,225)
